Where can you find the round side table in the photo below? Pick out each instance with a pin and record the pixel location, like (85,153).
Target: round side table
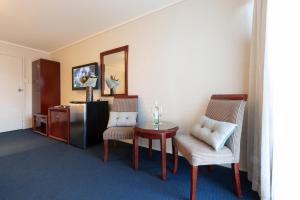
(150,131)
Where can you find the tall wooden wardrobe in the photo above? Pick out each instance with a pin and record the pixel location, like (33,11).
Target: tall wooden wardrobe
(45,92)
(45,85)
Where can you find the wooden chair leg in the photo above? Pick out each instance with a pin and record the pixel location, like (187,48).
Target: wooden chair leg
(175,156)
(136,151)
(236,177)
(105,144)
(194,174)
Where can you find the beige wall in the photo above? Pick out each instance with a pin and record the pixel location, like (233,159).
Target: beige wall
(27,56)
(178,56)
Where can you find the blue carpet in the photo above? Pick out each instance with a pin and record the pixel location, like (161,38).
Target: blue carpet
(35,167)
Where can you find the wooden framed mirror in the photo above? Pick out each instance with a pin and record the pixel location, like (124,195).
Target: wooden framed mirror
(114,75)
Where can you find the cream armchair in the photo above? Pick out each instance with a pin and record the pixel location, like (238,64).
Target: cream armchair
(229,108)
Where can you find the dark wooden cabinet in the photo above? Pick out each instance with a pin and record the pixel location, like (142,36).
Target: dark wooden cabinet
(59,123)
(45,85)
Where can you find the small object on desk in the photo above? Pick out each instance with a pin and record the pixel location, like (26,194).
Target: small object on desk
(161,131)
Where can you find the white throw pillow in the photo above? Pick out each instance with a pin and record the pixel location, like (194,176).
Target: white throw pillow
(213,132)
(122,119)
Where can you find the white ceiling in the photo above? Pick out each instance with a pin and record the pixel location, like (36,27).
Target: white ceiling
(51,24)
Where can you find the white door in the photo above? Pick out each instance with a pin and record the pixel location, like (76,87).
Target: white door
(11,93)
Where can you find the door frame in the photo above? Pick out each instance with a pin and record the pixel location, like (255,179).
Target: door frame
(23,85)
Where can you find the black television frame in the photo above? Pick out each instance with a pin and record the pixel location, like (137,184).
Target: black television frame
(85,65)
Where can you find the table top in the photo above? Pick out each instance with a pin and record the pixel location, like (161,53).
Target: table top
(162,126)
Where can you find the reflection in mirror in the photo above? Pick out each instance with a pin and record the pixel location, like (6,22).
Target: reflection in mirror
(114,71)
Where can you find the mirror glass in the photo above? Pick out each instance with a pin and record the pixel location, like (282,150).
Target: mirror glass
(114,71)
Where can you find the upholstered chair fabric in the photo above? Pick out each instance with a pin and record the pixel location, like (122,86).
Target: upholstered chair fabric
(229,111)
(125,105)
(198,152)
(121,133)
(226,108)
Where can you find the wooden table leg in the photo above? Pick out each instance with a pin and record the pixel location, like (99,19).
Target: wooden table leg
(163,156)
(150,148)
(136,152)
(175,155)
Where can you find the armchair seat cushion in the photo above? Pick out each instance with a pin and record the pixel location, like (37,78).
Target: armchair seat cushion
(118,133)
(200,153)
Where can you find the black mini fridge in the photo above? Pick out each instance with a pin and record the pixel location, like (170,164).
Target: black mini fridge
(88,121)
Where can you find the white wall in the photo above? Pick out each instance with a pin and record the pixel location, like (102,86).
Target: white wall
(27,55)
(178,56)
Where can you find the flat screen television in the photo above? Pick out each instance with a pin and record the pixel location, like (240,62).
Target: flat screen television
(80,74)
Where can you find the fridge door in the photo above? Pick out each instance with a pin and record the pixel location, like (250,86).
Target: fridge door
(78,125)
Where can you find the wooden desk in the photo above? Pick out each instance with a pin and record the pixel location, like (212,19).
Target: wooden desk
(59,123)
(162,132)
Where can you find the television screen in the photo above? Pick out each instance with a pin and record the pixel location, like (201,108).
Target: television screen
(82,73)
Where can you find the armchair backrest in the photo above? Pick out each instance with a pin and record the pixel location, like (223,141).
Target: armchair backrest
(125,103)
(229,108)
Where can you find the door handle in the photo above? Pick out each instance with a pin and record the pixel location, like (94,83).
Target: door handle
(20,90)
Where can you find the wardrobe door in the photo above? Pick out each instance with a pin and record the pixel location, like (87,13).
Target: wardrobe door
(49,84)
